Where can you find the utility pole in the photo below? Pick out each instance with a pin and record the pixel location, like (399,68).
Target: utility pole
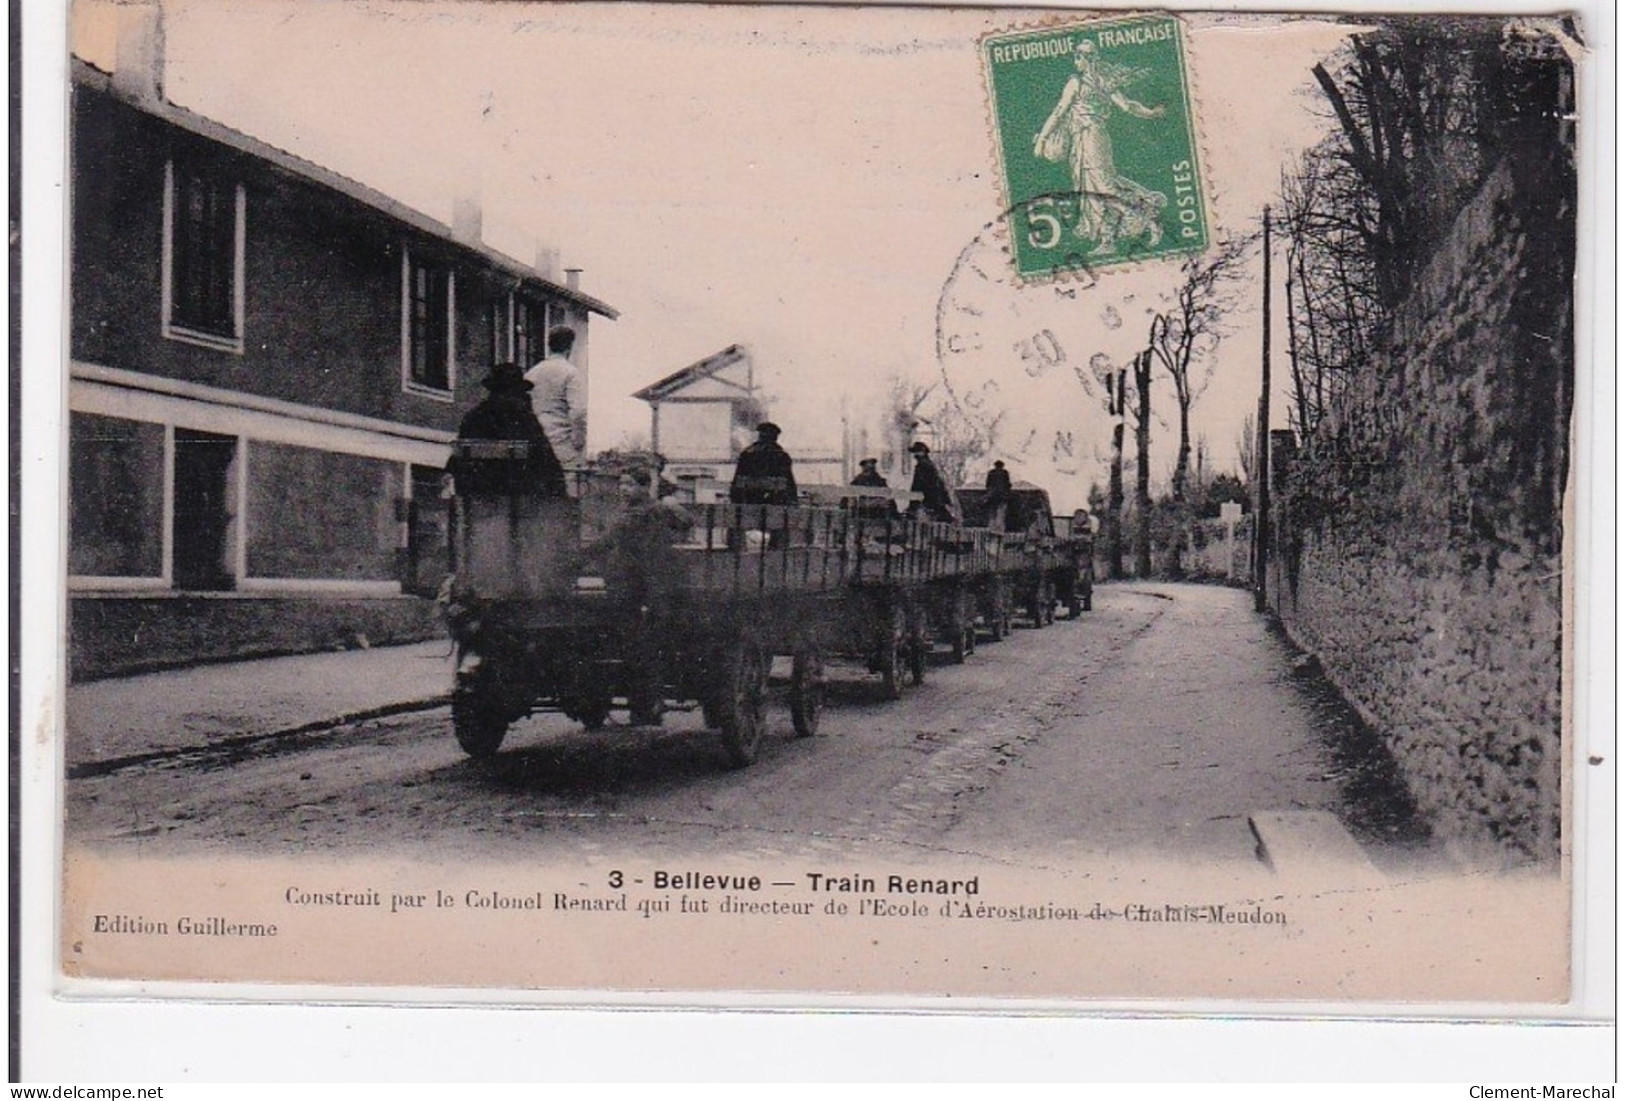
(1117,388)
(1142,470)
(1261,469)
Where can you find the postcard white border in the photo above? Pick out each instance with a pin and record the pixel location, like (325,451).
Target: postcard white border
(174,1040)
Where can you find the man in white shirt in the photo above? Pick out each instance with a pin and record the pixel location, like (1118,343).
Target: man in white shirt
(558,399)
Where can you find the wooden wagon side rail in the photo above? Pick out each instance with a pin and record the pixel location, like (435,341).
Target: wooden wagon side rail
(515,547)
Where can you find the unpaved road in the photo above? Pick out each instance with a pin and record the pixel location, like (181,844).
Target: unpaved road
(1152,726)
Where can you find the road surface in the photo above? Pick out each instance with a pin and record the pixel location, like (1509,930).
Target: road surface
(1154,726)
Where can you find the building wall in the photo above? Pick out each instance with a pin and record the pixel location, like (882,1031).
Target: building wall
(1419,539)
(123,636)
(322,283)
(276,497)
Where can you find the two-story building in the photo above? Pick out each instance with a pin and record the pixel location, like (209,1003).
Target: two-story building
(268,362)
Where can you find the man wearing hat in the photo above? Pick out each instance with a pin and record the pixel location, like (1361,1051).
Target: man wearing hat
(869,475)
(505,414)
(763,475)
(998,495)
(938,502)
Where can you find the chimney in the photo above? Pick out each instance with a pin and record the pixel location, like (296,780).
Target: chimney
(547,263)
(572,278)
(467,220)
(138,63)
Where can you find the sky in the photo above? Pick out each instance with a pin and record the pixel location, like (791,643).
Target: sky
(805,181)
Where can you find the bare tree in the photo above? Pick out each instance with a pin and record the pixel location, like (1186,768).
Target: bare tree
(1183,339)
(960,439)
(1247,448)
(1184,336)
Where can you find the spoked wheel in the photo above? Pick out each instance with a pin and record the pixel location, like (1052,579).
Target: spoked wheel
(892,642)
(741,692)
(478,721)
(919,645)
(592,710)
(807,691)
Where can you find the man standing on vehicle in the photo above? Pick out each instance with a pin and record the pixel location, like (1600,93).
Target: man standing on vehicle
(938,502)
(764,474)
(998,495)
(558,398)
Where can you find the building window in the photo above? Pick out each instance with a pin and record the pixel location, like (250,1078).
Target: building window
(427,304)
(531,319)
(203,256)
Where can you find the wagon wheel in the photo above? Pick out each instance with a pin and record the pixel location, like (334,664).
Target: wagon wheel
(964,636)
(967,621)
(592,709)
(891,654)
(807,691)
(998,616)
(478,721)
(919,645)
(740,693)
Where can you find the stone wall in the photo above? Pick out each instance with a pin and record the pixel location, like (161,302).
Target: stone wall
(1418,536)
(111,636)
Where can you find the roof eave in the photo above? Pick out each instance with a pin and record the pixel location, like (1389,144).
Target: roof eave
(88,75)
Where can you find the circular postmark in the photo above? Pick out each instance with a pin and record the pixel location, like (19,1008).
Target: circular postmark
(1034,366)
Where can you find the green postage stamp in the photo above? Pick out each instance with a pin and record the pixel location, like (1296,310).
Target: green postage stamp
(1096,144)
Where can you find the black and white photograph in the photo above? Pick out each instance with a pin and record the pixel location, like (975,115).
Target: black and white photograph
(578,500)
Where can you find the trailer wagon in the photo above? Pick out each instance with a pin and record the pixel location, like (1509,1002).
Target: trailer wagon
(609,600)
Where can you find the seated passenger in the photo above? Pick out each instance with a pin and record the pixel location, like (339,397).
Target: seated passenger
(873,508)
(505,414)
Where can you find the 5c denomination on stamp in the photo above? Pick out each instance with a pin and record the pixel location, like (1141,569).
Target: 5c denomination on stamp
(1096,143)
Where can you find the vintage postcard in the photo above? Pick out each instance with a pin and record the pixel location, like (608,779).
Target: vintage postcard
(977,506)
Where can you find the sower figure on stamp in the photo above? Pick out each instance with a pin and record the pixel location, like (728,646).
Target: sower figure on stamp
(938,501)
(998,495)
(764,475)
(505,414)
(558,401)
(1109,205)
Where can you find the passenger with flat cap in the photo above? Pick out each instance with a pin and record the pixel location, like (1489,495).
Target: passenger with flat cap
(870,507)
(505,414)
(938,501)
(869,474)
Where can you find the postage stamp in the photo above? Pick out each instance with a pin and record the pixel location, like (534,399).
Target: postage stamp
(1096,143)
